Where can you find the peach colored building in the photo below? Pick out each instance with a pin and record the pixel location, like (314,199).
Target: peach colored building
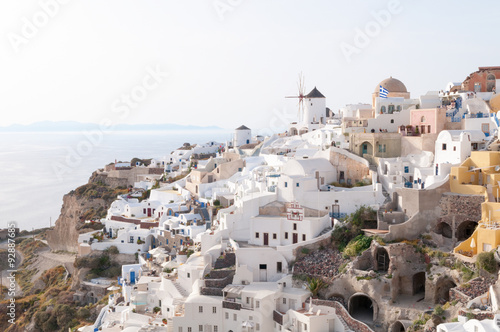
(427,121)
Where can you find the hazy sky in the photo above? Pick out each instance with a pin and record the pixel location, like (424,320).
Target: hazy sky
(229,62)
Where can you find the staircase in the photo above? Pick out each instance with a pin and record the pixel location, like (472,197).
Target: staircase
(344,324)
(493,139)
(181,290)
(326,230)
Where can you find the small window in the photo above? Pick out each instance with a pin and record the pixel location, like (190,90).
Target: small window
(257,235)
(392,120)
(294,227)
(257,304)
(422,119)
(216,328)
(200,328)
(381,148)
(297,184)
(279,267)
(286,184)
(454,148)
(286,235)
(248,300)
(275,236)
(214,310)
(284,300)
(189,275)
(257,327)
(200,309)
(180,328)
(235,317)
(189,329)
(226,315)
(303,237)
(444,147)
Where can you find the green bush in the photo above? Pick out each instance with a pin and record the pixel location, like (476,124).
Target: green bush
(113,250)
(486,261)
(305,251)
(83,313)
(438,310)
(357,245)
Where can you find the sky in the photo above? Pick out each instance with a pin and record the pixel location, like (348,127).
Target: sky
(227,62)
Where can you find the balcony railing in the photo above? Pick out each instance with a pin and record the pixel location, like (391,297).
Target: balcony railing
(231,305)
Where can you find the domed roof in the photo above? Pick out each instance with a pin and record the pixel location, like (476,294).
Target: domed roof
(495,103)
(392,85)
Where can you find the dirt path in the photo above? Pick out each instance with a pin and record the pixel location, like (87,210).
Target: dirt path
(47,260)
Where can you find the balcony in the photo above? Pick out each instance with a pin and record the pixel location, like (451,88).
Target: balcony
(278,317)
(231,305)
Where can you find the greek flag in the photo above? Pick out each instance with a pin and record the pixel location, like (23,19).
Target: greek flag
(383,92)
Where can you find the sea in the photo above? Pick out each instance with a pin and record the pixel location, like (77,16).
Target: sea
(38,168)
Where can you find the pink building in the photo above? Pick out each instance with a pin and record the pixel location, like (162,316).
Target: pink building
(426,121)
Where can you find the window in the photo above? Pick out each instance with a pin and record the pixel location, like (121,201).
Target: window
(382,109)
(257,235)
(216,328)
(454,148)
(392,120)
(381,148)
(257,304)
(279,267)
(422,119)
(286,235)
(189,275)
(286,184)
(305,327)
(444,147)
(189,329)
(235,317)
(297,184)
(294,227)
(398,108)
(200,309)
(200,328)
(131,239)
(275,236)
(214,310)
(303,237)
(180,328)
(239,169)
(226,315)
(248,300)
(257,327)
(284,300)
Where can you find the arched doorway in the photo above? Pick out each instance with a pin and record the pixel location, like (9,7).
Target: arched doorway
(444,229)
(490,82)
(398,327)
(466,229)
(366,148)
(419,283)
(443,287)
(382,260)
(293,131)
(362,308)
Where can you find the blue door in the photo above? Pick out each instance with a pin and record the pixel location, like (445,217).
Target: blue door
(407,169)
(132,277)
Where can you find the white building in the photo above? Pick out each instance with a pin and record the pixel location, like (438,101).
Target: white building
(313,115)
(242,136)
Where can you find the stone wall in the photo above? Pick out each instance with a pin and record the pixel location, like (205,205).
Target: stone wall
(456,295)
(352,323)
(228,260)
(457,208)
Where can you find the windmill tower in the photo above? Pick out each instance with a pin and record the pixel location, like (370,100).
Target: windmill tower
(301,95)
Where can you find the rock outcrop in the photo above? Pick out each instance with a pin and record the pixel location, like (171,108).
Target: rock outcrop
(85,202)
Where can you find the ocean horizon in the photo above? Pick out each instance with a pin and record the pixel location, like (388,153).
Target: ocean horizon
(39,168)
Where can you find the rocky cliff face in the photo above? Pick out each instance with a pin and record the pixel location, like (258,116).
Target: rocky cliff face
(86,202)
(68,226)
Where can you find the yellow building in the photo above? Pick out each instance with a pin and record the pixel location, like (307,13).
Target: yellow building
(480,175)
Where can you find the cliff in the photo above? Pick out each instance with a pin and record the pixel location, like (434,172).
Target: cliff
(90,201)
